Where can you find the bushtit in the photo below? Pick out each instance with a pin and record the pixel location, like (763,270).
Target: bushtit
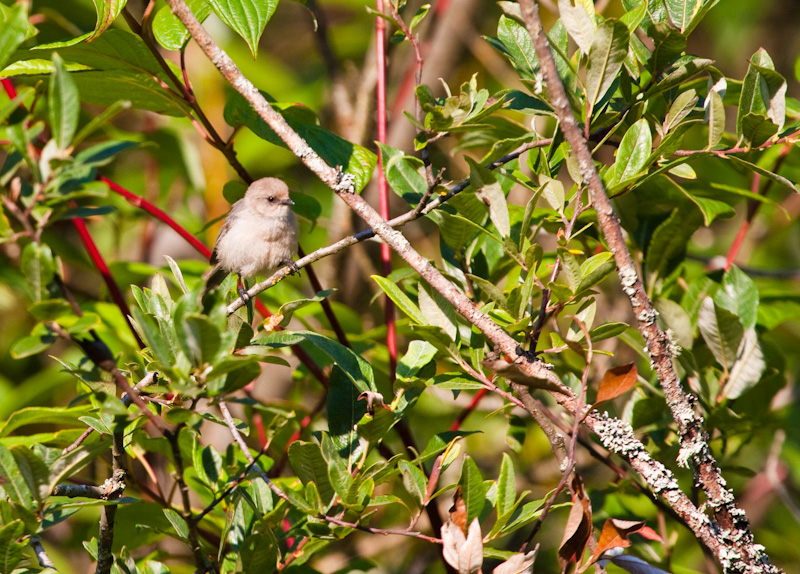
(258,236)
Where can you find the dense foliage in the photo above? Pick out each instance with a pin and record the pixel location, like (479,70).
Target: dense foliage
(146,428)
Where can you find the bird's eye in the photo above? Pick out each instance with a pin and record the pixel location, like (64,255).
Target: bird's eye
(271,199)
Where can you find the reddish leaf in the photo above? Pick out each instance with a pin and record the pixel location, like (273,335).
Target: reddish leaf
(579,526)
(615,535)
(650,534)
(617,381)
(458,512)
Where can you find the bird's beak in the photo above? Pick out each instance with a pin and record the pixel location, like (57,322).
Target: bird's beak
(287,201)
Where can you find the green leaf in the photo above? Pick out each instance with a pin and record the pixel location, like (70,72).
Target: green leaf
(33,344)
(722,331)
(354,159)
(356,368)
(709,207)
(607,330)
(739,295)
(200,339)
(506,489)
(553,192)
(762,100)
(50,309)
(764,172)
(59,466)
(680,108)
(681,70)
(606,55)
(668,243)
(633,153)
(519,46)
(716,118)
(669,44)
(419,16)
(419,354)
(178,523)
(44,415)
(747,369)
(344,411)
(488,190)
(13,33)
(578,17)
(11,546)
(307,461)
(14,482)
(456,382)
(402,174)
(472,489)
(209,466)
(170,32)
(572,268)
(437,310)
(107,12)
(681,12)
(595,269)
(260,552)
(247,17)
(414,481)
(38,266)
(400,299)
(64,104)
(106,88)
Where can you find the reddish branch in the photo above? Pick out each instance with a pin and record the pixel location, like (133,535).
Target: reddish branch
(383,187)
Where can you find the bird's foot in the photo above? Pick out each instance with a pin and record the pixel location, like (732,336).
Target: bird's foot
(242,290)
(529,356)
(293,268)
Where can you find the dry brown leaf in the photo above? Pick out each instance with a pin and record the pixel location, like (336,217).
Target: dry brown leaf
(517,564)
(458,512)
(617,381)
(579,526)
(465,554)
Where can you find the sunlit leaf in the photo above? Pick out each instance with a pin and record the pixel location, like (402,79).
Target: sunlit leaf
(617,381)
(606,54)
(247,17)
(578,17)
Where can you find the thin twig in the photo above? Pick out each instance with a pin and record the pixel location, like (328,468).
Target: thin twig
(237,437)
(41,553)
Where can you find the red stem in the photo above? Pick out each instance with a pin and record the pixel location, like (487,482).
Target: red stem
(467,411)
(138,201)
(9,88)
(383,188)
(752,207)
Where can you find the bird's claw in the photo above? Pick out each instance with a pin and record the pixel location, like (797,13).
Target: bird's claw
(243,294)
(293,268)
(529,356)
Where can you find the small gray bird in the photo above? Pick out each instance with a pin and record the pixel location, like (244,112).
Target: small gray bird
(258,236)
